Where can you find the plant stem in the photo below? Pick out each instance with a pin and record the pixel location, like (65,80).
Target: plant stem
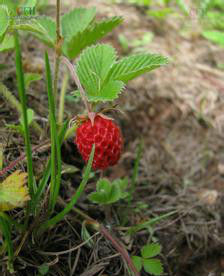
(72,70)
(57,49)
(23,99)
(62,98)
(14,103)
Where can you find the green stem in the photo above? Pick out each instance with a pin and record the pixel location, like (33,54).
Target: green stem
(62,98)
(55,144)
(19,227)
(14,103)
(23,100)
(57,49)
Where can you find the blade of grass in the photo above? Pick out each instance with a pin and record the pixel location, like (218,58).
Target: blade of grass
(23,100)
(47,172)
(150,222)
(19,227)
(55,145)
(51,222)
(136,167)
(5,228)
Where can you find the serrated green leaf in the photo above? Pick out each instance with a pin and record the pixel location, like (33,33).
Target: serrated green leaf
(215,36)
(73,46)
(8,43)
(49,35)
(131,67)
(137,262)
(4,19)
(153,266)
(150,250)
(31,77)
(32,26)
(76,21)
(92,69)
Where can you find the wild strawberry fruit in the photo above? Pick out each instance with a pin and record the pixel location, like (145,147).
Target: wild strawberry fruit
(106,136)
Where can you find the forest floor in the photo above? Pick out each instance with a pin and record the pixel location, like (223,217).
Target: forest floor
(177,111)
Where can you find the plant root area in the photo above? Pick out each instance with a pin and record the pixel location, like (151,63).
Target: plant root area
(176,112)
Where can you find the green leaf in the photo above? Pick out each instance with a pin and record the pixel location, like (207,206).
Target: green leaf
(153,266)
(32,26)
(107,192)
(76,21)
(43,269)
(131,67)
(151,250)
(4,19)
(102,194)
(93,66)
(31,77)
(30,115)
(8,43)
(49,35)
(13,191)
(137,262)
(160,13)
(215,36)
(73,46)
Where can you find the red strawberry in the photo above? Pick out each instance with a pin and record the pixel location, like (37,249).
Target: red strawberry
(106,136)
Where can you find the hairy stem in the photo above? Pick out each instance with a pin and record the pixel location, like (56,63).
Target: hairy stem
(72,70)
(62,98)
(14,103)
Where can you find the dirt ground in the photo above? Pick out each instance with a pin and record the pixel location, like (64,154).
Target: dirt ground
(177,111)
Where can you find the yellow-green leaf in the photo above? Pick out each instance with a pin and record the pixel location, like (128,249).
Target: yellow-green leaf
(13,191)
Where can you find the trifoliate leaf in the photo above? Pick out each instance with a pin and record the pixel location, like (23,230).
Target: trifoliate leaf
(93,66)
(4,19)
(107,192)
(131,67)
(103,189)
(7,43)
(13,191)
(153,266)
(73,46)
(76,21)
(137,262)
(150,250)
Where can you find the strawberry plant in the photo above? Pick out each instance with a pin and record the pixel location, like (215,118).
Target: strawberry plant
(100,77)
(147,261)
